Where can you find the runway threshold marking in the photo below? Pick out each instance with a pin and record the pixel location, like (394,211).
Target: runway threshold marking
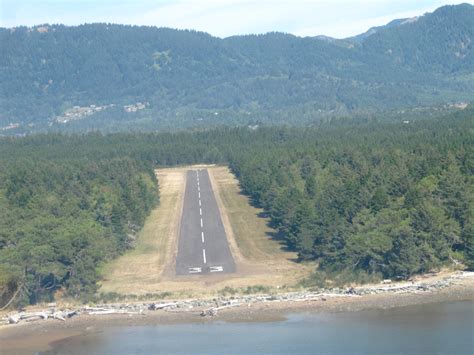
(204,255)
(194,270)
(216,269)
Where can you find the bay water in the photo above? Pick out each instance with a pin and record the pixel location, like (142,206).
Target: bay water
(442,328)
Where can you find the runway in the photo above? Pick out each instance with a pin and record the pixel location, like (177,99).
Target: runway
(202,245)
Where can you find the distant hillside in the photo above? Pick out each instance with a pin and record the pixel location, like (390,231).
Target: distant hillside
(116,77)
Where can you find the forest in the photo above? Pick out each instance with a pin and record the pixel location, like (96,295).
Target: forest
(383,199)
(59,219)
(192,79)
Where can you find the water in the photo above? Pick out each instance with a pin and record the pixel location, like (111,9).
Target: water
(445,328)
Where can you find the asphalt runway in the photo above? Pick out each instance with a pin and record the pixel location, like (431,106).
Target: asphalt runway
(202,247)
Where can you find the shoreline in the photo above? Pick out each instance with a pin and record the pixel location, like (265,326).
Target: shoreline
(27,337)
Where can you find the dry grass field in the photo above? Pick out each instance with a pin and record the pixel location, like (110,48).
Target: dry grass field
(145,265)
(149,267)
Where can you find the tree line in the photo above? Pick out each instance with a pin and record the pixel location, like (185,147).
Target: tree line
(60,219)
(389,200)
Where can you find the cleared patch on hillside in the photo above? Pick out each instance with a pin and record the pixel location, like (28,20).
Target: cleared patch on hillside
(260,259)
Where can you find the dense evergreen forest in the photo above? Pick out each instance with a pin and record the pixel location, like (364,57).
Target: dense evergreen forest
(61,218)
(388,200)
(147,78)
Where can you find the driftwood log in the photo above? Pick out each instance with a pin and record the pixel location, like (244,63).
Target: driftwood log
(210,307)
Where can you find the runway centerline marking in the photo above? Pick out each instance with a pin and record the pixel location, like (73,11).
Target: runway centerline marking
(189,260)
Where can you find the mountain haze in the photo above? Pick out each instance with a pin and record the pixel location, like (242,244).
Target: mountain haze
(138,77)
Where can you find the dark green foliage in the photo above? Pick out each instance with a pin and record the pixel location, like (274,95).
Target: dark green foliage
(187,77)
(367,199)
(61,218)
(382,199)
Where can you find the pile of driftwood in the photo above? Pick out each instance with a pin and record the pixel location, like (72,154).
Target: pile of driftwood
(62,315)
(210,307)
(34,316)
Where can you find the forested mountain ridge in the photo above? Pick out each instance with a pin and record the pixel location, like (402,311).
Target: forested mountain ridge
(145,78)
(440,42)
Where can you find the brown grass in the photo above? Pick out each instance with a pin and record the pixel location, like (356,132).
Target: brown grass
(155,251)
(248,233)
(149,268)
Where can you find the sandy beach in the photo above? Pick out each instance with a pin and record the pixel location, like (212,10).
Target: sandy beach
(28,337)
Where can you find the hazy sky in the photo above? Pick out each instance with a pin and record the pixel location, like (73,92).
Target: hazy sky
(336,18)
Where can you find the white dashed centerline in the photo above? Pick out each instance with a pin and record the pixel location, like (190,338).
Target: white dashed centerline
(200,213)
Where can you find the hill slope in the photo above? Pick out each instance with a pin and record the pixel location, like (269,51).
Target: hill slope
(149,78)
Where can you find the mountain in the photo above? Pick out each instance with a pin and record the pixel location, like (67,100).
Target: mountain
(394,23)
(440,42)
(117,77)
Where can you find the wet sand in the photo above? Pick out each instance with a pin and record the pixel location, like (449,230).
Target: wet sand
(27,338)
